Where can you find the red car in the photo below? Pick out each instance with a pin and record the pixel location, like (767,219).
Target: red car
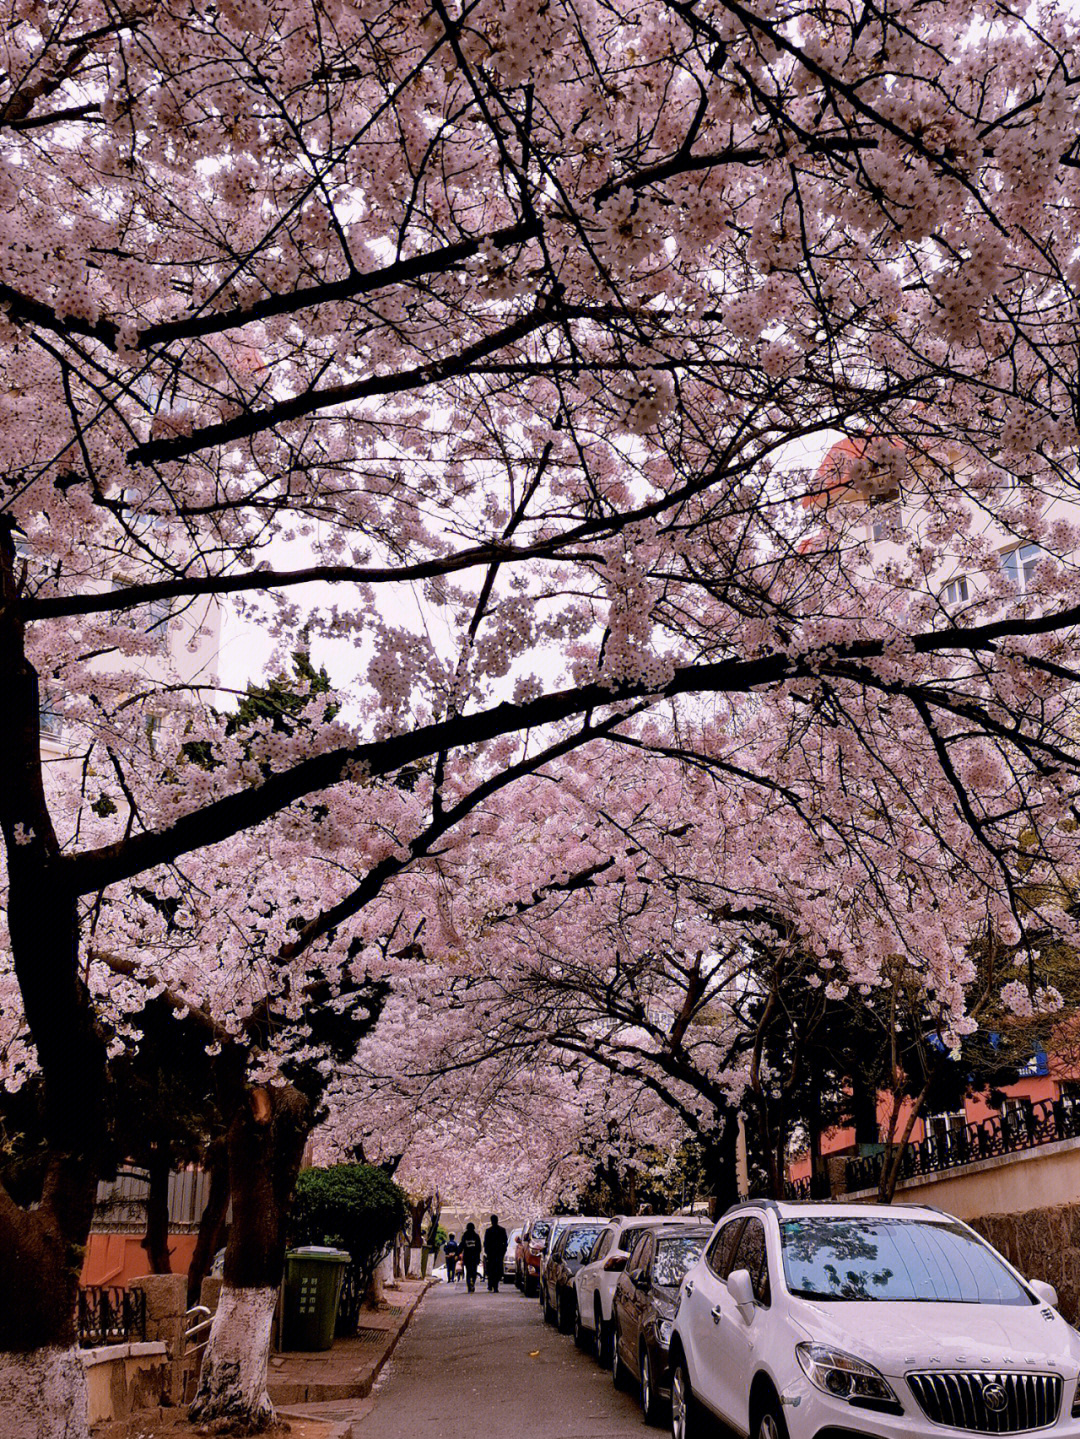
(530,1254)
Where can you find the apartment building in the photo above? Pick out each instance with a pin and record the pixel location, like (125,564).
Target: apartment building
(1023,1148)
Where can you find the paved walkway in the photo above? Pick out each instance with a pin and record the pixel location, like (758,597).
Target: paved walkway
(332,1386)
(486,1366)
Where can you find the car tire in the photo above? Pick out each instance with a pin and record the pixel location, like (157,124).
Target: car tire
(529,1287)
(770,1422)
(619,1376)
(566,1312)
(651,1407)
(549,1313)
(686,1416)
(603,1337)
(581,1334)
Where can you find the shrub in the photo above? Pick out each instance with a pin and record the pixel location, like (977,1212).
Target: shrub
(357,1207)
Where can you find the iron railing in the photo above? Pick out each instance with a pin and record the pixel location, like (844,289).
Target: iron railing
(110,1316)
(1041,1123)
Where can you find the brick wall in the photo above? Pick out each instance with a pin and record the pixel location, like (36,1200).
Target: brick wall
(1042,1244)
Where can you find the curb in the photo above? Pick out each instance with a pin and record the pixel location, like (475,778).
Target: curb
(381,1361)
(295,1393)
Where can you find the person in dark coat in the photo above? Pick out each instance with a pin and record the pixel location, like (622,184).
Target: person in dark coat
(471,1250)
(495,1242)
(450,1250)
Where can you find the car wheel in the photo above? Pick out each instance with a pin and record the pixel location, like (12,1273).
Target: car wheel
(619,1377)
(650,1400)
(567,1313)
(549,1312)
(529,1287)
(581,1334)
(686,1421)
(770,1423)
(603,1337)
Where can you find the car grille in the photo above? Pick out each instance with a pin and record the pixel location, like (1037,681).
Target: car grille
(1031,1401)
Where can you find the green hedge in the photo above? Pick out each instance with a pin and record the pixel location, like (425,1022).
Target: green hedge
(357,1207)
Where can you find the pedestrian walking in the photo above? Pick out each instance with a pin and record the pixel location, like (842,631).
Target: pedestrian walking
(451,1250)
(495,1241)
(471,1249)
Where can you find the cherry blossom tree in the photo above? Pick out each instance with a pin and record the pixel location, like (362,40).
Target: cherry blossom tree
(501,321)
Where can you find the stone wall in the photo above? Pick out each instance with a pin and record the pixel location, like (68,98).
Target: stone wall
(1042,1244)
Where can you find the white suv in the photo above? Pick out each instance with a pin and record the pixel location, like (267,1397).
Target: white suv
(594,1283)
(849,1321)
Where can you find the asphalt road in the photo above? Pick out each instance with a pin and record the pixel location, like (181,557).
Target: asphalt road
(486,1366)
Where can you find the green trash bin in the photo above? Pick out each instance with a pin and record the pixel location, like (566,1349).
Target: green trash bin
(313,1279)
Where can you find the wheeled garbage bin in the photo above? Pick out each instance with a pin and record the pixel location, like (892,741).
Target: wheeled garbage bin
(313,1279)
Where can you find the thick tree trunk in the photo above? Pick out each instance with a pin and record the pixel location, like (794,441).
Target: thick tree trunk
(266,1145)
(42,1383)
(156,1239)
(212,1223)
(721,1164)
(42,1389)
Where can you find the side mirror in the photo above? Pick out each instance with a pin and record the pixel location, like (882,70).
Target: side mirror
(741,1288)
(615,1263)
(1043,1292)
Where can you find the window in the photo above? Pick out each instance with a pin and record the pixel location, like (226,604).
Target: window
(603,1244)
(50,714)
(50,721)
(956,591)
(723,1247)
(913,1261)
(629,1238)
(155,613)
(886,525)
(640,1254)
(751,1255)
(1018,1114)
(674,1257)
(947,1132)
(1019,566)
(579,1243)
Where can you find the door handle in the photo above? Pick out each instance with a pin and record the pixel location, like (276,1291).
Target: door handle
(688,1287)
(716,1312)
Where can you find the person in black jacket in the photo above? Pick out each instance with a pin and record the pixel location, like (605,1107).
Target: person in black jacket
(495,1242)
(450,1250)
(470,1254)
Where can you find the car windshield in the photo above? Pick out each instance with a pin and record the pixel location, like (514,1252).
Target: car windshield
(674,1257)
(894,1259)
(580,1242)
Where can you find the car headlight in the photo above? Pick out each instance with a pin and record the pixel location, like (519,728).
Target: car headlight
(1076,1401)
(846,1377)
(664,1329)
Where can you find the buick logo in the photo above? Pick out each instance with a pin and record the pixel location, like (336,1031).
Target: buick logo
(995,1398)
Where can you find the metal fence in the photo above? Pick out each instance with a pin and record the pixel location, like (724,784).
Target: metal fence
(110,1316)
(1028,1128)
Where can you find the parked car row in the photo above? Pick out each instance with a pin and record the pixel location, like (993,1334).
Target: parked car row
(812,1321)
(614,1284)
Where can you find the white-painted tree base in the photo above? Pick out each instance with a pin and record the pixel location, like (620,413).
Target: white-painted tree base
(232,1383)
(43,1395)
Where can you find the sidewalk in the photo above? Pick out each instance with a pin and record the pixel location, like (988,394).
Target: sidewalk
(330,1386)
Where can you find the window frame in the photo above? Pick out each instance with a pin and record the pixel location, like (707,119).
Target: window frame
(712,1250)
(760,1276)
